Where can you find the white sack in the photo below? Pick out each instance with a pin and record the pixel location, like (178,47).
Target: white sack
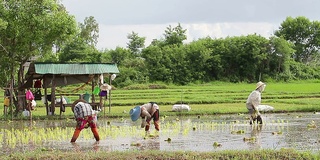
(33,103)
(26,113)
(265,108)
(180,107)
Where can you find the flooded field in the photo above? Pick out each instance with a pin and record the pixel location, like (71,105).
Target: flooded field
(198,133)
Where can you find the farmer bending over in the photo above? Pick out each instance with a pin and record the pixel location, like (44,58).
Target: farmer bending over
(253,101)
(85,117)
(147,112)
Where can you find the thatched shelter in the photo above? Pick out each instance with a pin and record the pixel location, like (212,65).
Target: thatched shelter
(62,74)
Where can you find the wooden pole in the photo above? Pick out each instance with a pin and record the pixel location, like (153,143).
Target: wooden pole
(46,94)
(110,94)
(53,94)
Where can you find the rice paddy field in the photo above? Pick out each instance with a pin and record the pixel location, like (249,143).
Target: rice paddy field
(214,98)
(217,113)
(204,99)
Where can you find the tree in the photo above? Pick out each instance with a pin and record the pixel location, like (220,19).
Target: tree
(82,47)
(197,60)
(79,51)
(120,55)
(175,36)
(304,34)
(4,74)
(244,58)
(33,28)
(158,62)
(89,31)
(136,43)
(279,56)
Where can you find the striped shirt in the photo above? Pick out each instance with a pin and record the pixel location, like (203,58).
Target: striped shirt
(82,110)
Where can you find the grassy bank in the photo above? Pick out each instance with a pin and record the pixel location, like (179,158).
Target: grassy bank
(284,154)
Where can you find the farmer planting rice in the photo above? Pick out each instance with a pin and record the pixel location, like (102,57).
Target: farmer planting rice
(253,101)
(85,117)
(147,112)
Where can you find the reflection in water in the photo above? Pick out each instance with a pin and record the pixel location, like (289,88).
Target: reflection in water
(151,144)
(255,143)
(96,146)
(76,147)
(187,133)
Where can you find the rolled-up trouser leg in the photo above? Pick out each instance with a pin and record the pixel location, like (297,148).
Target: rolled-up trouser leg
(95,133)
(147,126)
(76,134)
(157,125)
(259,119)
(156,120)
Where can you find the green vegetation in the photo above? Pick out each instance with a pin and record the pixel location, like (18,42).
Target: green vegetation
(287,154)
(204,99)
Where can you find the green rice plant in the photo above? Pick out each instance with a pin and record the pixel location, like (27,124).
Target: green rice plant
(204,99)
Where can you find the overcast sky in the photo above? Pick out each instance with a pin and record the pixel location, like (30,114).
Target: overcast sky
(201,18)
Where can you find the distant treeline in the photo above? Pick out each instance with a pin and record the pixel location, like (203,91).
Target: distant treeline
(291,54)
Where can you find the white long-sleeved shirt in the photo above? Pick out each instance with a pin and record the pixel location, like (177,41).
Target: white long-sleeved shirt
(254,98)
(147,110)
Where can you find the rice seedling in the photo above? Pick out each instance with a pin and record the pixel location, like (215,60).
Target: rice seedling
(216,144)
(312,124)
(277,133)
(238,132)
(250,139)
(168,140)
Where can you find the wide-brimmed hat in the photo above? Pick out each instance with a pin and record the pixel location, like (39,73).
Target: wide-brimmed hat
(135,113)
(76,102)
(105,87)
(259,84)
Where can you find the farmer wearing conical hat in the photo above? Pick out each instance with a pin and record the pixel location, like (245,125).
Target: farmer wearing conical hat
(147,112)
(253,101)
(85,117)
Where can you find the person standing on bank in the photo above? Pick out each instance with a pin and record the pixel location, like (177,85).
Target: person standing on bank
(147,112)
(29,98)
(253,101)
(85,117)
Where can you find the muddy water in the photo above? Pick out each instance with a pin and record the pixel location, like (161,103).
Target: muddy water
(228,132)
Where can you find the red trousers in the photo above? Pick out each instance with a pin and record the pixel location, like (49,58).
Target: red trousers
(84,123)
(156,122)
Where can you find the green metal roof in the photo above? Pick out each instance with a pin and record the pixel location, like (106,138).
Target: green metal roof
(75,68)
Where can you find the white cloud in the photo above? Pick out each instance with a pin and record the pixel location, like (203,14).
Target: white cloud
(214,18)
(111,36)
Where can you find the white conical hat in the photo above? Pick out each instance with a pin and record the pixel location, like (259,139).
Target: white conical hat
(259,84)
(105,87)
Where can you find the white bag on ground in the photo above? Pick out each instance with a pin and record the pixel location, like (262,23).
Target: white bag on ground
(33,103)
(26,113)
(180,107)
(265,108)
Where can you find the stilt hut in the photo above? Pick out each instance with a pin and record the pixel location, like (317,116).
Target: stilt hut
(53,75)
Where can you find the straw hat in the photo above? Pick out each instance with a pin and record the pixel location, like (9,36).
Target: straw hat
(135,113)
(259,84)
(105,87)
(76,102)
